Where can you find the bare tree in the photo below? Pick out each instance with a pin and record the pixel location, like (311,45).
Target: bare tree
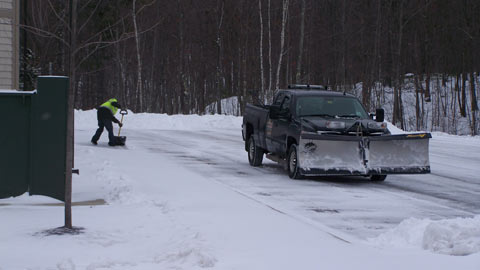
(218,41)
(182,66)
(139,60)
(474,104)
(300,46)
(282,41)
(270,74)
(262,77)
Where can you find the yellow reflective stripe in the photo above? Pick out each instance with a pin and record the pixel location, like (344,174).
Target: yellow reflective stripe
(109,105)
(416,135)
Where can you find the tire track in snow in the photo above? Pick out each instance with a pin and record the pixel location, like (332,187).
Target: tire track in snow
(203,149)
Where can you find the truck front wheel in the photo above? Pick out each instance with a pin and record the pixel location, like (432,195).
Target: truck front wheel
(378,178)
(293,166)
(255,153)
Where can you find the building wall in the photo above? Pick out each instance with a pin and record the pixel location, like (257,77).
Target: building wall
(9,44)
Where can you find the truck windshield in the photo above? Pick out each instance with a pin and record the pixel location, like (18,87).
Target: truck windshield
(345,107)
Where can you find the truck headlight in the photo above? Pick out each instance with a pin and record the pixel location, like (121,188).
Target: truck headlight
(377,125)
(335,125)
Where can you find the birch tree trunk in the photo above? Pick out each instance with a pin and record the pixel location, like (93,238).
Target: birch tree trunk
(282,42)
(244,64)
(139,61)
(219,80)
(270,74)
(121,66)
(397,104)
(300,46)
(262,77)
(151,106)
(181,66)
(344,48)
(474,107)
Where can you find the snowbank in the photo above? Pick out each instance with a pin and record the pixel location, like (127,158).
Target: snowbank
(393,129)
(460,236)
(464,138)
(230,106)
(88,120)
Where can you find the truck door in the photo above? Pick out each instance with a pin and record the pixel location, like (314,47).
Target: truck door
(270,140)
(280,127)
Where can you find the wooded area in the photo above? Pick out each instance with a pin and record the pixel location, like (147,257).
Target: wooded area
(179,56)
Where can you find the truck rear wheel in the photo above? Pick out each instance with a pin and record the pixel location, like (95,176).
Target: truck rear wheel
(292,159)
(255,153)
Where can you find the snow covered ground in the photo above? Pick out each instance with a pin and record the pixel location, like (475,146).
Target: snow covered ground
(181,195)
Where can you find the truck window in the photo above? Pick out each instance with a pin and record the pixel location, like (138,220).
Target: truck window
(279,99)
(330,106)
(285,104)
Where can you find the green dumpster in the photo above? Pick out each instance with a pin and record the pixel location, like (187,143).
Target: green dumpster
(33,139)
(15,155)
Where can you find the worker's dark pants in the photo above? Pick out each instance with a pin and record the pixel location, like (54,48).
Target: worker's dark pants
(107,123)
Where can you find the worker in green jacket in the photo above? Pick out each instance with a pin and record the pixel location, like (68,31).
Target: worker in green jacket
(105,115)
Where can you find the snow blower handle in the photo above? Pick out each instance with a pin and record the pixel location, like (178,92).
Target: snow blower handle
(122,112)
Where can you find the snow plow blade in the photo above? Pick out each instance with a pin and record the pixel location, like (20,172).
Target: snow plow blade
(327,154)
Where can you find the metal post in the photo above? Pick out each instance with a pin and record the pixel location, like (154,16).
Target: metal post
(70,128)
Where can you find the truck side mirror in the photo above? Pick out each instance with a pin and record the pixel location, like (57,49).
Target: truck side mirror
(380,115)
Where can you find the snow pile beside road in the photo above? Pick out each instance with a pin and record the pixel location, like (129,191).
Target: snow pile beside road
(393,129)
(460,236)
(463,138)
(88,120)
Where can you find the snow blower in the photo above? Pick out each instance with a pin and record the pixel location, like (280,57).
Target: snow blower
(120,140)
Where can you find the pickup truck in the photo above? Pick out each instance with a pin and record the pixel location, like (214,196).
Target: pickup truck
(314,132)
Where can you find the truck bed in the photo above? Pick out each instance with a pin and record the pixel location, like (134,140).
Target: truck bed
(256,116)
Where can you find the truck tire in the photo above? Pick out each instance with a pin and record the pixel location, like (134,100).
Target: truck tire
(378,178)
(255,153)
(292,163)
